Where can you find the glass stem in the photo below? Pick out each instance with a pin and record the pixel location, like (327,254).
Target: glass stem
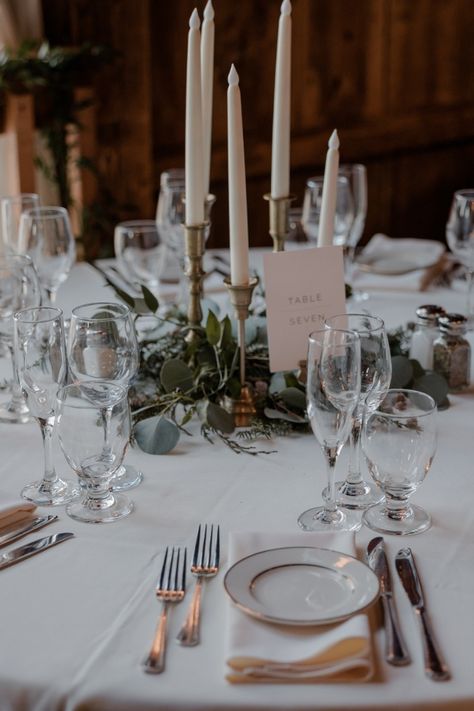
(470,294)
(354,475)
(47,427)
(106,417)
(330,506)
(397,509)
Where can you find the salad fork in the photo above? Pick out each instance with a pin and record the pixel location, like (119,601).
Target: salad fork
(170,589)
(205,565)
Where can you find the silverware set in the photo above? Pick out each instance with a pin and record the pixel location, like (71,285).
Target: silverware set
(24,528)
(171,589)
(395,648)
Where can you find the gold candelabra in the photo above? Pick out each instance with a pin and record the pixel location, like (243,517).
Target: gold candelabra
(194,239)
(279,219)
(243,408)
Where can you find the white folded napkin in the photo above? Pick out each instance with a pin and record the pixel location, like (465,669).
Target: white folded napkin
(263,652)
(14,510)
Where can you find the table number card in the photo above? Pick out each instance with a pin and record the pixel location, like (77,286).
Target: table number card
(302,289)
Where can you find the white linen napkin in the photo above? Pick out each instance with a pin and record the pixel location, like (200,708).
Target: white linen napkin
(14,510)
(257,651)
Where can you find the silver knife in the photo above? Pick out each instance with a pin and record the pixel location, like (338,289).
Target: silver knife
(30,549)
(18,530)
(395,648)
(435,666)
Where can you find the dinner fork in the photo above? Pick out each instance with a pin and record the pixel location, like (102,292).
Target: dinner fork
(205,565)
(171,588)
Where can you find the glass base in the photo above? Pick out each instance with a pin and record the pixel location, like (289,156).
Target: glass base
(415,520)
(356,496)
(90,511)
(317,519)
(126,477)
(48,493)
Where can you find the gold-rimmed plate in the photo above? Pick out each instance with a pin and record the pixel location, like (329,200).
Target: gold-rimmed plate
(301,585)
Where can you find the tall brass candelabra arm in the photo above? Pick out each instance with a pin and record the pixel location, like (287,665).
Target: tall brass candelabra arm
(279,219)
(194,238)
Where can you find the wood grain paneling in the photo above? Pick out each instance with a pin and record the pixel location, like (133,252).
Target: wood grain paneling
(392,75)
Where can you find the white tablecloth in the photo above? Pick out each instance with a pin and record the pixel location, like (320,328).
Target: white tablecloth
(76,622)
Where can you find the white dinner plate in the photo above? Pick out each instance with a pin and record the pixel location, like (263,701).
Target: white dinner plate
(400,256)
(301,586)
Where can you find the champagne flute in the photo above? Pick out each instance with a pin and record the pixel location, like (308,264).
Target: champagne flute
(46,235)
(332,393)
(40,355)
(102,345)
(376,374)
(11,209)
(84,410)
(19,289)
(460,238)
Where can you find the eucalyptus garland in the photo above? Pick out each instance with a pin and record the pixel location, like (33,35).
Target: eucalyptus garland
(179,380)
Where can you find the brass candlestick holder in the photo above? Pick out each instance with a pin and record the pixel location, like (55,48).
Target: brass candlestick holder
(194,239)
(279,219)
(243,408)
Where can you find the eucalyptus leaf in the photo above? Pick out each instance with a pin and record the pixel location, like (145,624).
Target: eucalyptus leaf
(176,375)
(273,414)
(433,384)
(226,333)
(293,398)
(219,419)
(150,299)
(277,383)
(418,370)
(156,435)
(291,380)
(402,372)
(213,329)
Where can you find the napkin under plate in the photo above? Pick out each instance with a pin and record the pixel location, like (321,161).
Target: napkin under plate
(264,652)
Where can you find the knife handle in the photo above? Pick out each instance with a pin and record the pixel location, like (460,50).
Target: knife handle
(435,666)
(396,652)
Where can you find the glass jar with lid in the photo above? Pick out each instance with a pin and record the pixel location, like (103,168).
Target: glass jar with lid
(452,352)
(425,333)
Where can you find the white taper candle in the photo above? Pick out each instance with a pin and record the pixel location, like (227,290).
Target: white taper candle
(194,189)
(207,78)
(328,200)
(280,182)
(238,223)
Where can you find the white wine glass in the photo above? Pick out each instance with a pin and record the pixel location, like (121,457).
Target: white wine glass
(460,238)
(344,215)
(11,209)
(140,251)
(332,393)
(399,442)
(46,235)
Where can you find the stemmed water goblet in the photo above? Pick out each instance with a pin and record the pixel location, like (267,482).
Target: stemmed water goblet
(46,235)
(11,209)
(344,215)
(376,374)
(88,414)
(40,356)
(19,289)
(399,442)
(460,238)
(332,393)
(103,346)
(140,251)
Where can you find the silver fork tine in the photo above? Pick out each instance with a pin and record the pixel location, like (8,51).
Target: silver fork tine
(205,565)
(173,571)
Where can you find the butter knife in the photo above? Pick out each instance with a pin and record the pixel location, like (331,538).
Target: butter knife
(395,648)
(435,666)
(18,530)
(30,549)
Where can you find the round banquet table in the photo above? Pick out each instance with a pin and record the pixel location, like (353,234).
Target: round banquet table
(77,621)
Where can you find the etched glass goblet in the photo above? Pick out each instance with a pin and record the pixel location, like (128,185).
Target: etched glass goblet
(83,410)
(399,442)
(332,393)
(102,345)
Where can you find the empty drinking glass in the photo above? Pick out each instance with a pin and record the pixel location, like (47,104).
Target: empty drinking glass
(46,235)
(140,251)
(90,414)
(19,289)
(332,393)
(11,209)
(40,355)
(356,175)
(376,374)
(399,442)
(460,237)
(344,216)
(102,345)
